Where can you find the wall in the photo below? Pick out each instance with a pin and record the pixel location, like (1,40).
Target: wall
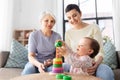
(24,14)
(27,12)
(6,24)
(116,20)
(59,11)
(21,14)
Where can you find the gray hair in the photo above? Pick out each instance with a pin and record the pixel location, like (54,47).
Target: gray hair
(47,13)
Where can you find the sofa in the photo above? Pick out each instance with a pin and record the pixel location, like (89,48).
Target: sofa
(117,70)
(8,73)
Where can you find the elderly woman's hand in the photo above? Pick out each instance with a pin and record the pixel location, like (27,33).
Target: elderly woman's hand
(41,68)
(48,62)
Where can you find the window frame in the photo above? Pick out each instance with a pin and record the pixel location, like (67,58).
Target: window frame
(96,18)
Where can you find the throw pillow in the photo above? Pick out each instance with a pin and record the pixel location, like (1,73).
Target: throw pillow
(110,55)
(18,55)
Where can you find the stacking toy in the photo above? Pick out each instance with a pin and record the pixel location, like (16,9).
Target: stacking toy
(58,44)
(67,77)
(63,77)
(57,62)
(59,76)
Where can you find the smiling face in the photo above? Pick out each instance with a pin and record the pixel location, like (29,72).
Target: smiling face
(84,47)
(74,17)
(47,22)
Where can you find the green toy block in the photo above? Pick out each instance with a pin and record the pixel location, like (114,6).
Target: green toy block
(58,44)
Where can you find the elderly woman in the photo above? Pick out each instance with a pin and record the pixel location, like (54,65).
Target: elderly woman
(41,49)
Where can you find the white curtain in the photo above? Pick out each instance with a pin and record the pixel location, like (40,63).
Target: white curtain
(116,21)
(5,24)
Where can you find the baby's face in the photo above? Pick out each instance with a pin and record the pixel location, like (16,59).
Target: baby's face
(84,47)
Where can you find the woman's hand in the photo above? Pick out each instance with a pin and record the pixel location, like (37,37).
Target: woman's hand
(96,63)
(41,68)
(92,69)
(48,62)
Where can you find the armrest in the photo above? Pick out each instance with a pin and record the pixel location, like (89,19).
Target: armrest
(118,58)
(3,58)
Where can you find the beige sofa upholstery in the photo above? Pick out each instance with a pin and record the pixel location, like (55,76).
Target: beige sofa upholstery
(8,73)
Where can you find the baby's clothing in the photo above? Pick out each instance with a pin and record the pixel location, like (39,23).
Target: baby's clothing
(79,64)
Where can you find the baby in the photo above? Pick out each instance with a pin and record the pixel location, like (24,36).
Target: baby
(82,59)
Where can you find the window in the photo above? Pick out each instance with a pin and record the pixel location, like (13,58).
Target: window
(94,11)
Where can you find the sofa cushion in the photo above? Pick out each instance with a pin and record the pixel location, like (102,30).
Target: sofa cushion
(110,55)
(18,55)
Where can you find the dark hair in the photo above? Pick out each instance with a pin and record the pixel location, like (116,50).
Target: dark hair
(94,45)
(71,7)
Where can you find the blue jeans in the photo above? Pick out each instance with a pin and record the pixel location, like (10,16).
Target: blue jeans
(30,69)
(103,71)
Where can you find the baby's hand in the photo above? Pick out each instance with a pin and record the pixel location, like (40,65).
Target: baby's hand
(61,50)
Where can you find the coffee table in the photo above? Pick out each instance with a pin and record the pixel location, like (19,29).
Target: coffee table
(47,76)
